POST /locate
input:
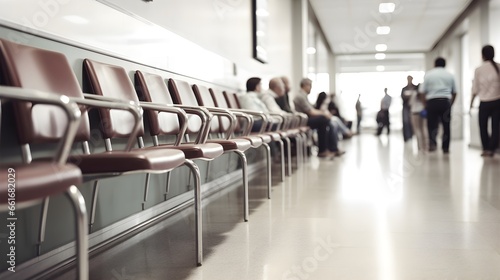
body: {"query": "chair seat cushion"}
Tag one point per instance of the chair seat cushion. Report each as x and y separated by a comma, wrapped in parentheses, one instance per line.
(37, 180)
(207, 151)
(255, 141)
(147, 160)
(232, 144)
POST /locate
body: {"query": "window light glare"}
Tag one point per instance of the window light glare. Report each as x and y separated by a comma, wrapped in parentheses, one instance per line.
(311, 50)
(381, 47)
(383, 30)
(385, 8)
(380, 56)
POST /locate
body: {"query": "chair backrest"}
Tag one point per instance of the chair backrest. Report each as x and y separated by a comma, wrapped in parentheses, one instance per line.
(152, 88)
(44, 70)
(221, 102)
(232, 100)
(204, 98)
(182, 93)
(111, 81)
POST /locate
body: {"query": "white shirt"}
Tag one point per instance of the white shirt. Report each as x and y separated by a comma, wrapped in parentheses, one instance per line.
(251, 101)
(386, 102)
(486, 82)
(416, 105)
(268, 99)
(438, 83)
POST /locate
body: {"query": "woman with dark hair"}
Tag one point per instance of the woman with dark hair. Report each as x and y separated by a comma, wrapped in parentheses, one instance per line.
(486, 85)
(253, 84)
(335, 120)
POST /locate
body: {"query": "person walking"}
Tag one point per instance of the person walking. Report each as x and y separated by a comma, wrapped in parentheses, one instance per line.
(438, 93)
(406, 93)
(359, 114)
(319, 120)
(383, 115)
(419, 121)
(486, 86)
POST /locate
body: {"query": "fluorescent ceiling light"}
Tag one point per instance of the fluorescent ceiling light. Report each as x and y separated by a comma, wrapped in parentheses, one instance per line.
(76, 19)
(385, 8)
(383, 30)
(381, 47)
(260, 33)
(380, 68)
(380, 56)
(311, 50)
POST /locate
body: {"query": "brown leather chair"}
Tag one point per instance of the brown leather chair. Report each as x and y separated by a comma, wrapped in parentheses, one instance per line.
(205, 99)
(29, 67)
(24, 184)
(152, 88)
(267, 136)
(182, 93)
(233, 102)
(112, 81)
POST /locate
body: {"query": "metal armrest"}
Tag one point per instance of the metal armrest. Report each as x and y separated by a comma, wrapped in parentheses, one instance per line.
(263, 116)
(97, 101)
(224, 113)
(249, 121)
(169, 109)
(70, 108)
(205, 117)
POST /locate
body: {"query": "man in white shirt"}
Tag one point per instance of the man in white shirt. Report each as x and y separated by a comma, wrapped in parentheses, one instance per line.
(438, 94)
(319, 120)
(268, 97)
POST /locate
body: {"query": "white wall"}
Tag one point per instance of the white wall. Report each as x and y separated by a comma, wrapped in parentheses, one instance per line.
(225, 28)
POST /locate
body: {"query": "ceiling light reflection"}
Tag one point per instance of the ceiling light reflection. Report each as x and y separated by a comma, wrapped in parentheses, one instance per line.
(385, 8)
(383, 30)
(381, 47)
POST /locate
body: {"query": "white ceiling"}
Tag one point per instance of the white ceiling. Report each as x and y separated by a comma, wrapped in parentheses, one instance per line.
(416, 26)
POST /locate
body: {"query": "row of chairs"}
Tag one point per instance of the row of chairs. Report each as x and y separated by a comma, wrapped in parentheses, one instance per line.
(34, 80)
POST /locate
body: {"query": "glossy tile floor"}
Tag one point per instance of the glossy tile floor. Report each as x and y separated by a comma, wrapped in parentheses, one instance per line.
(382, 211)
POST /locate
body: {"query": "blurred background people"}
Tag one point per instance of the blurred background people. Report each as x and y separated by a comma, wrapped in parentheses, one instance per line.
(486, 86)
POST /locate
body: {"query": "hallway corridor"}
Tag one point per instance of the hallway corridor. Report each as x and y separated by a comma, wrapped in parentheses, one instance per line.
(379, 212)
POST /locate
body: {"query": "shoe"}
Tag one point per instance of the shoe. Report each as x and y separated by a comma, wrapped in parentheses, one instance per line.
(432, 149)
(325, 154)
(446, 152)
(487, 154)
(339, 153)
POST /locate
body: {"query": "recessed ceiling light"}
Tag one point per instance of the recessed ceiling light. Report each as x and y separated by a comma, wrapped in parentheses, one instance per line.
(380, 56)
(383, 30)
(381, 47)
(380, 68)
(311, 50)
(385, 8)
(76, 19)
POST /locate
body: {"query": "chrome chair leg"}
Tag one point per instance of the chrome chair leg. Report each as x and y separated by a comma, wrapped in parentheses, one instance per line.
(93, 208)
(82, 245)
(198, 210)
(146, 190)
(289, 154)
(269, 178)
(243, 159)
(43, 225)
(282, 155)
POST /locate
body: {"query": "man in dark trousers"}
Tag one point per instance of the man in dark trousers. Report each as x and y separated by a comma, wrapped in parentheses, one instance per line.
(438, 93)
(406, 94)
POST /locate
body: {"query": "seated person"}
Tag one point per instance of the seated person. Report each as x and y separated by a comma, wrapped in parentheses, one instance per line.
(319, 120)
(323, 104)
(283, 100)
(251, 101)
